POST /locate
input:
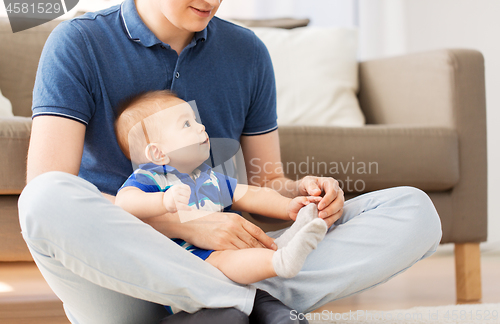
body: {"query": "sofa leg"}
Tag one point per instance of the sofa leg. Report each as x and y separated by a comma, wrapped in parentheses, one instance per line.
(468, 272)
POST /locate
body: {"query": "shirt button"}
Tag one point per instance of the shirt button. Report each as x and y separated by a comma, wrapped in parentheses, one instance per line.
(202, 203)
(177, 75)
(162, 46)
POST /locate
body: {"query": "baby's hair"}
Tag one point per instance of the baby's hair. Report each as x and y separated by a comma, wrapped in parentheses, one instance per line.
(135, 110)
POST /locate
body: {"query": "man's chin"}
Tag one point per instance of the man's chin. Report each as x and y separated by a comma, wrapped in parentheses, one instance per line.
(198, 26)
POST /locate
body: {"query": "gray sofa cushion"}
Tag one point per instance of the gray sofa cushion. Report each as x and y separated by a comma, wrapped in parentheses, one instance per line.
(18, 63)
(426, 158)
(383, 156)
(14, 141)
(12, 245)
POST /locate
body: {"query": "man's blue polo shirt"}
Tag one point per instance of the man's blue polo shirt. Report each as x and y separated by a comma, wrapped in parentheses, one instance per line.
(93, 62)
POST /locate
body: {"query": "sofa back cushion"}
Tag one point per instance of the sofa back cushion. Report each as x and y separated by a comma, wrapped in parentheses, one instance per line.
(19, 56)
(316, 75)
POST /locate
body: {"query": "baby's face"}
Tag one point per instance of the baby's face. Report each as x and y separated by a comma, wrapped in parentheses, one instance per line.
(183, 139)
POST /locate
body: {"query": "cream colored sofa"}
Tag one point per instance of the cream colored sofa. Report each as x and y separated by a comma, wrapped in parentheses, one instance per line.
(426, 127)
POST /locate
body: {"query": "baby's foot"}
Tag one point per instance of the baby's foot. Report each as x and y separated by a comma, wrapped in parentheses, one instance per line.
(289, 260)
(306, 215)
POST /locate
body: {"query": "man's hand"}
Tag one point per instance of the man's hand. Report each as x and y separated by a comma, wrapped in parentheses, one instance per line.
(331, 205)
(298, 202)
(177, 198)
(226, 231)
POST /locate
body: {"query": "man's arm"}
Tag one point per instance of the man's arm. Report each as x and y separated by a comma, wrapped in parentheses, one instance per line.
(263, 164)
(264, 168)
(56, 144)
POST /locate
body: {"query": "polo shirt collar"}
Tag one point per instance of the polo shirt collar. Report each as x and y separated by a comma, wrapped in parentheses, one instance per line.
(137, 31)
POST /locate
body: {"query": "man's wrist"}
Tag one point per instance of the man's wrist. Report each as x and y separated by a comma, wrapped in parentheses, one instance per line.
(167, 224)
(287, 202)
(296, 186)
(292, 187)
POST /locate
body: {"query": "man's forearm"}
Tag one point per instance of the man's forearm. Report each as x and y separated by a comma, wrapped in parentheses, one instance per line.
(168, 224)
(174, 226)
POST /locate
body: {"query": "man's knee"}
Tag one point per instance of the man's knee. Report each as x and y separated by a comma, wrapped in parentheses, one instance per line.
(41, 201)
(426, 219)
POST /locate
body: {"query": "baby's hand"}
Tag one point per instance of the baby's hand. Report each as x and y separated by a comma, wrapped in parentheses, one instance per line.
(177, 198)
(298, 202)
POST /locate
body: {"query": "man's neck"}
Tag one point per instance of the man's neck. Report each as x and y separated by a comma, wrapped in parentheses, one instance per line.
(151, 15)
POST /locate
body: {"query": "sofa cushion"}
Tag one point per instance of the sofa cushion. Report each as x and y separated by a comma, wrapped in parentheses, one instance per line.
(19, 61)
(14, 141)
(316, 75)
(12, 245)
(373, 157)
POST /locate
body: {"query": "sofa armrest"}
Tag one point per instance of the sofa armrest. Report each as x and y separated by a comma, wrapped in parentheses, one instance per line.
(14, 142)
(443, 88)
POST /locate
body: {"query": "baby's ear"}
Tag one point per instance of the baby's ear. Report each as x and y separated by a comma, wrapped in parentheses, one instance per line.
(155, 154)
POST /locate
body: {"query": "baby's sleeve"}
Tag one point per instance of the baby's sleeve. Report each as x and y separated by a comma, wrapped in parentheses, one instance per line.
(144, 180)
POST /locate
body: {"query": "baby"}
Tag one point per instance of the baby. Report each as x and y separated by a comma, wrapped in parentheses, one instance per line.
(160, 133)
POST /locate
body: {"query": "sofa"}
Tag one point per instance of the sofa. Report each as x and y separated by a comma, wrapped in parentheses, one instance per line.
(425, 127)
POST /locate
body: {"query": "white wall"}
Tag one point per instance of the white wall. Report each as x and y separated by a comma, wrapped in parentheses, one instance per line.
(321, 12)
(382, 28)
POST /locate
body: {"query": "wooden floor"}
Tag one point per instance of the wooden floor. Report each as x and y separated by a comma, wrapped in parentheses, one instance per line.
(26, 298)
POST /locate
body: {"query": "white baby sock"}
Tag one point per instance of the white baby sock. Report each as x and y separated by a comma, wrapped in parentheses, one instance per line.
(288, 261)
(305, 215)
